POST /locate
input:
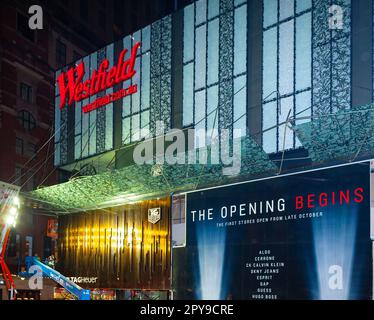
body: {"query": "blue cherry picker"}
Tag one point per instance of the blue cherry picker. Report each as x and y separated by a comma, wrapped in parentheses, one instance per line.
(70, 286)
(9, 205)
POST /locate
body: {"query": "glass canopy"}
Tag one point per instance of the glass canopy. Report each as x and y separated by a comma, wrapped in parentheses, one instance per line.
(136, 182)
(329, 139)
(345, 136)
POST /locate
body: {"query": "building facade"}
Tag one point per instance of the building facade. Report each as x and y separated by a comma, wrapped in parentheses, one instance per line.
(289, 81)
(257, 64)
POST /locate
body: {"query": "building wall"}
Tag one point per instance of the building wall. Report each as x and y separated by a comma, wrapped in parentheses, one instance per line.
(23, 61)
(235, 65)
(70, 30)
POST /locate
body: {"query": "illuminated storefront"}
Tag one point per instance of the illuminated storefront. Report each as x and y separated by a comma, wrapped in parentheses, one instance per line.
(289, 81)
(117, 247)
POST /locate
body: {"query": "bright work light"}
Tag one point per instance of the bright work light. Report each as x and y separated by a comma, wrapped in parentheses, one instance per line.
(16, 201)
(11, 220)
(13, 211)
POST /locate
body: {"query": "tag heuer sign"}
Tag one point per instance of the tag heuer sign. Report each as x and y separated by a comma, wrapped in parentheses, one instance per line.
(154, 215)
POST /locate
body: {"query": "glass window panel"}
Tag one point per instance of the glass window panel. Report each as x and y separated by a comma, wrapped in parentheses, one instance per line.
(200, 57)
(127, 45)
(92, 98)
(302, 5)
(269, 114)
(240, 104)
(85, 130)
(269, 121)
(136, 38)
(86, 62)
(285, 104)
(200, 11)
(126, 106)
(93, 62)
(146, 39)
(286, 57)
(303, 106)
(188, 33)
(303, 51)
(92, 122)
(57, 119)
(78, 117)
(64, 115)
(270, 63)
(303, 109)
(57, 90)
(270, 141)
(213, 8)
(238, 2)
(200, 120)
(110, 54)
(240, 40)
(126, 130)
(135, 127)
(145, 81)
(144, 122)
(212, 105)
(77, 146)
(92, 133)
(109, 125)
(126, 84)
(240, 127)
(270, 12)
(136, 96)
(57, 159)
(213, 51)
(199, 106)
(188, 94)
(286, 9)
(126, 101)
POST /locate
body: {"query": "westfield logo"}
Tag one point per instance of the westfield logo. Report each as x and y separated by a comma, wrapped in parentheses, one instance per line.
(73, 89)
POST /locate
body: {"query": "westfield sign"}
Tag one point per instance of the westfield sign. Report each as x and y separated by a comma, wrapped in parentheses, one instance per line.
(72, 88)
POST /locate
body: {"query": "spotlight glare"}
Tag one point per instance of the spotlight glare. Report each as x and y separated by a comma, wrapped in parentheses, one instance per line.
(11, 220)
(334, 246)
(211, 253)
(13, 211)
(16, 201)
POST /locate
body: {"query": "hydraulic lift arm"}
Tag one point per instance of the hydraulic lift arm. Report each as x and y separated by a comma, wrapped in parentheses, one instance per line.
(9, 204)
(9, 283)
(80, 293)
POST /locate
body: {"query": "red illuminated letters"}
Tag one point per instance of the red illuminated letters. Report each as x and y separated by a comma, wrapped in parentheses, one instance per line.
(70, 82)
(324, 199)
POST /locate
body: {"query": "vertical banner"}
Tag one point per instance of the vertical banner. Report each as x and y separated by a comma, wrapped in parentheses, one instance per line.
(301, 236)
(52, 228)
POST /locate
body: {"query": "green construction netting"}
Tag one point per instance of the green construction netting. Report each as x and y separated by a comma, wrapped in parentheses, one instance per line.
(345, 136)
(136, 182)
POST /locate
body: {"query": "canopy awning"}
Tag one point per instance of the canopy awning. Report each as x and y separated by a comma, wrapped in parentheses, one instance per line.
(137, 182)
(346, 136)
